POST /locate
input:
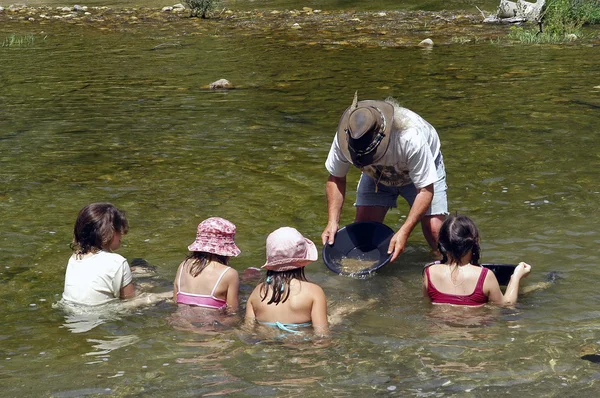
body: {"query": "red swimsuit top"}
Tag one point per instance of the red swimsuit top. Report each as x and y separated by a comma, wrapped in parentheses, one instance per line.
(478, 297)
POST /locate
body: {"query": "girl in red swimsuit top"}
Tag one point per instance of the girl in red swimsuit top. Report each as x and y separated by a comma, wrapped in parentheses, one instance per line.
(459, 279)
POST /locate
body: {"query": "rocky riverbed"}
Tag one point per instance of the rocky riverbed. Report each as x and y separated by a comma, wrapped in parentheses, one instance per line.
(297, 27)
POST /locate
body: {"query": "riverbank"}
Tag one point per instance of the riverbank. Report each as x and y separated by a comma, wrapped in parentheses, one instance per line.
(306, 26)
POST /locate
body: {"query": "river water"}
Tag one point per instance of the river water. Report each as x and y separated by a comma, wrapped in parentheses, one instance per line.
(92, 115)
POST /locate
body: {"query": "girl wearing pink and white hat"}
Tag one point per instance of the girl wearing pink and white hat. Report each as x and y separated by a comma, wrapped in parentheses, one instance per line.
(204, 279)
(285, 299)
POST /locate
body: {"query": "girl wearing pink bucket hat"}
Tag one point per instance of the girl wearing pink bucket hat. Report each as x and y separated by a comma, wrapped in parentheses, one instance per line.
(204, 279)
(285, 299)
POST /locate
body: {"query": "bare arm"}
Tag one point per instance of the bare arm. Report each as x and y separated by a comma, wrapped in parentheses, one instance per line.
(250, 316)
(146, 299)
(512, 290)
(233, 290)
(128, 291)
(176, 282)
(425, 284)
(319, 313)
(335, 188)
(417, 211)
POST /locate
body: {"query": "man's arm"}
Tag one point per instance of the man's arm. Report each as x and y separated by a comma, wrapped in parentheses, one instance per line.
(335, 188)
(417, 211)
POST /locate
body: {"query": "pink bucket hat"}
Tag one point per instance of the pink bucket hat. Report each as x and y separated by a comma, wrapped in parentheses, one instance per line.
(215, 235)
(287, 249)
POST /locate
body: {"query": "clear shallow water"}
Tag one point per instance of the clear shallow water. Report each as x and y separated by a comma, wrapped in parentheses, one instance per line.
(91, 116)
(358, 5)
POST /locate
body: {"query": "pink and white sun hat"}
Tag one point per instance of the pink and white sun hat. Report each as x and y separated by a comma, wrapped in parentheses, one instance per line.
(287, 249)
(215, 235)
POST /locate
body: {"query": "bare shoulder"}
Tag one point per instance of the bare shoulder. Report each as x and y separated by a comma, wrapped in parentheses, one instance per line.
(256, 291)
(313, 288)
(180, 268)
(490, 279)
(232, 274)
(434, 269)
(490, 275)
(254, 298)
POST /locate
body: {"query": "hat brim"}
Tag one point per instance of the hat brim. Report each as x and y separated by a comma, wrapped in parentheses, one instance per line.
(230, 250)
(288, 264)
(386, 109)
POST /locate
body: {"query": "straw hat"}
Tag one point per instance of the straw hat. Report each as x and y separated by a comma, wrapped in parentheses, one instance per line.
(287, 249)
(215, 235)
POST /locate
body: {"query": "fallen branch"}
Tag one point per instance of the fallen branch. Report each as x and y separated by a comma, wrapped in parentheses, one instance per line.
(482, 14)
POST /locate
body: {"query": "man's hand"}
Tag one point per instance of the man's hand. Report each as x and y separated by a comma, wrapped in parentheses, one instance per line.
(328, 235)
(397, 244)
(416, 213)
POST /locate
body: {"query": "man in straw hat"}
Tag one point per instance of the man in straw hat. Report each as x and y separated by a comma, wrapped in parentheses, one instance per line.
(398, 153)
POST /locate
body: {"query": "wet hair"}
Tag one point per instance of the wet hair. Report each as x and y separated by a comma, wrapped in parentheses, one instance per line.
(280, 284)
(199, 260)
(459, 236)
(96, 226)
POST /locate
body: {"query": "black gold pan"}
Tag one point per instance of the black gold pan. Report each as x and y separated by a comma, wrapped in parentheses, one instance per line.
(365, 242)
(503, 272)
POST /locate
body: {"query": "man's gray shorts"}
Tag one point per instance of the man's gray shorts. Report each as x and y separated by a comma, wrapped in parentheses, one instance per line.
(388, 196)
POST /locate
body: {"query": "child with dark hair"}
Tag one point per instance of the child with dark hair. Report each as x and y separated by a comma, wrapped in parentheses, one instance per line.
(459, 279)
(204, 279)
(285, 299)
(95, 275)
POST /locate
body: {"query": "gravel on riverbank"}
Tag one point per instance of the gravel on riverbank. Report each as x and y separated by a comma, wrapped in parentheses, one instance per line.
(305, 26)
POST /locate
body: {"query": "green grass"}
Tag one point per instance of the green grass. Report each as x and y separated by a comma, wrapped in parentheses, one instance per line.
(533, 36)
(562, 21)
(15, 40)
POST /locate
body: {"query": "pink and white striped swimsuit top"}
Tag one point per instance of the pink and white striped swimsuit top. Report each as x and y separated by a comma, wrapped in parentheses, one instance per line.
(202, 300)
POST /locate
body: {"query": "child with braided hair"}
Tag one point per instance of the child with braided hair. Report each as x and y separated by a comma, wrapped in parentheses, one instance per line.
(459, 279)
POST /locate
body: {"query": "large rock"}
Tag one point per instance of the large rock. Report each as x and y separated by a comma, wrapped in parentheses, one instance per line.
(520, 9)
(516, 12)
(507, 9)
(530, 11)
